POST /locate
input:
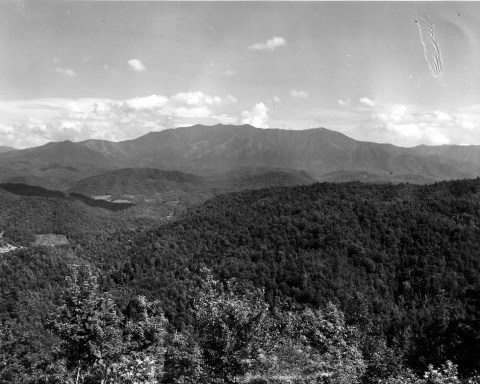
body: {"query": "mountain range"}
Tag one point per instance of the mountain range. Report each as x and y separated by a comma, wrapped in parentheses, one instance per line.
(6, 149)
(222, 150)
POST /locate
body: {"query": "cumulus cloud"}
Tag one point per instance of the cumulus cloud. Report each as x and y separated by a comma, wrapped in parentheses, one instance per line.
(269, 45)
(136, 65)
(436, 137)
(411, 131)
(366, 101)
(34, 122)
(65, 72)
(257, 116)
(298, 94)
(403, 124)
(467, 124)
(443, 116)
(146, 103)
(406, 125)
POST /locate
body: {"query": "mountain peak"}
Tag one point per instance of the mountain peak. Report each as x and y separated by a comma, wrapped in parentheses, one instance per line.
(209, 150)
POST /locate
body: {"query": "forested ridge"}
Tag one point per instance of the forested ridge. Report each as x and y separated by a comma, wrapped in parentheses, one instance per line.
(400, 261)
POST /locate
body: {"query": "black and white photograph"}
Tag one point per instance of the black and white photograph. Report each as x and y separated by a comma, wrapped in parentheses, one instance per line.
(239, 192)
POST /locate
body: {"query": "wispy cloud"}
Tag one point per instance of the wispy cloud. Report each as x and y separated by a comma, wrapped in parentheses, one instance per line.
(230, 73)
(65, 72)
(269, 45)
(232, 99)
(298, 94)
(343, 103)
(137, 65)
(226, 119)
(196, 98)
(109, 69)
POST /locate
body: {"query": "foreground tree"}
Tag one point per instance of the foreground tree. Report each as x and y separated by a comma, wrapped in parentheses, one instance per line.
(98, 344)
(315, 346)
(238, 338)
(234, 328)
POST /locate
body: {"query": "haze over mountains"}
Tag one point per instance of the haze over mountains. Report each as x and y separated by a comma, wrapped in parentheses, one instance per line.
(225, 150)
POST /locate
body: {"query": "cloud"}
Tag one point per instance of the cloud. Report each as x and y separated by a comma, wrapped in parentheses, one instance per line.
(436, 137)
(232, 99)
(152, 102)
(269, 45)
(136, 65)
(366, 101)
(226, 119)
(276, 99)
(397, 113)
(65, 72)
(188, 105)
(343, 103)
(410, 131)
(6, 129)
(338, 119)
(230, 73)
(35, 122)
(467, 124)
(257, 116)
(298, 94)
(108, 69)
(27, 123)
(402, 124)
(405, 125)
(443, 116)
(34, 133)
(196, 98)
(184, 112)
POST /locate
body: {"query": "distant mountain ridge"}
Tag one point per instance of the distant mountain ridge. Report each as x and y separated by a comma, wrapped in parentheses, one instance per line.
(4, 149)
(208, 151)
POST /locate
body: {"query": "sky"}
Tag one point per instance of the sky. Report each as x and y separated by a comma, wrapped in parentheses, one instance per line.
(405, 73)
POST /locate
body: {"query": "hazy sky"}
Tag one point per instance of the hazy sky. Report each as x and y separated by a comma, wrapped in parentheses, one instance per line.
(407, 73)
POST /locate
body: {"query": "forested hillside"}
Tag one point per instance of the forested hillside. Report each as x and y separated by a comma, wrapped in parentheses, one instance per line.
(24, 216)
(135, 181)
(401, 262)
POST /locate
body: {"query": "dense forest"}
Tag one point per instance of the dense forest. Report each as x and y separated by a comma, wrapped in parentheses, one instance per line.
(341, 283)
